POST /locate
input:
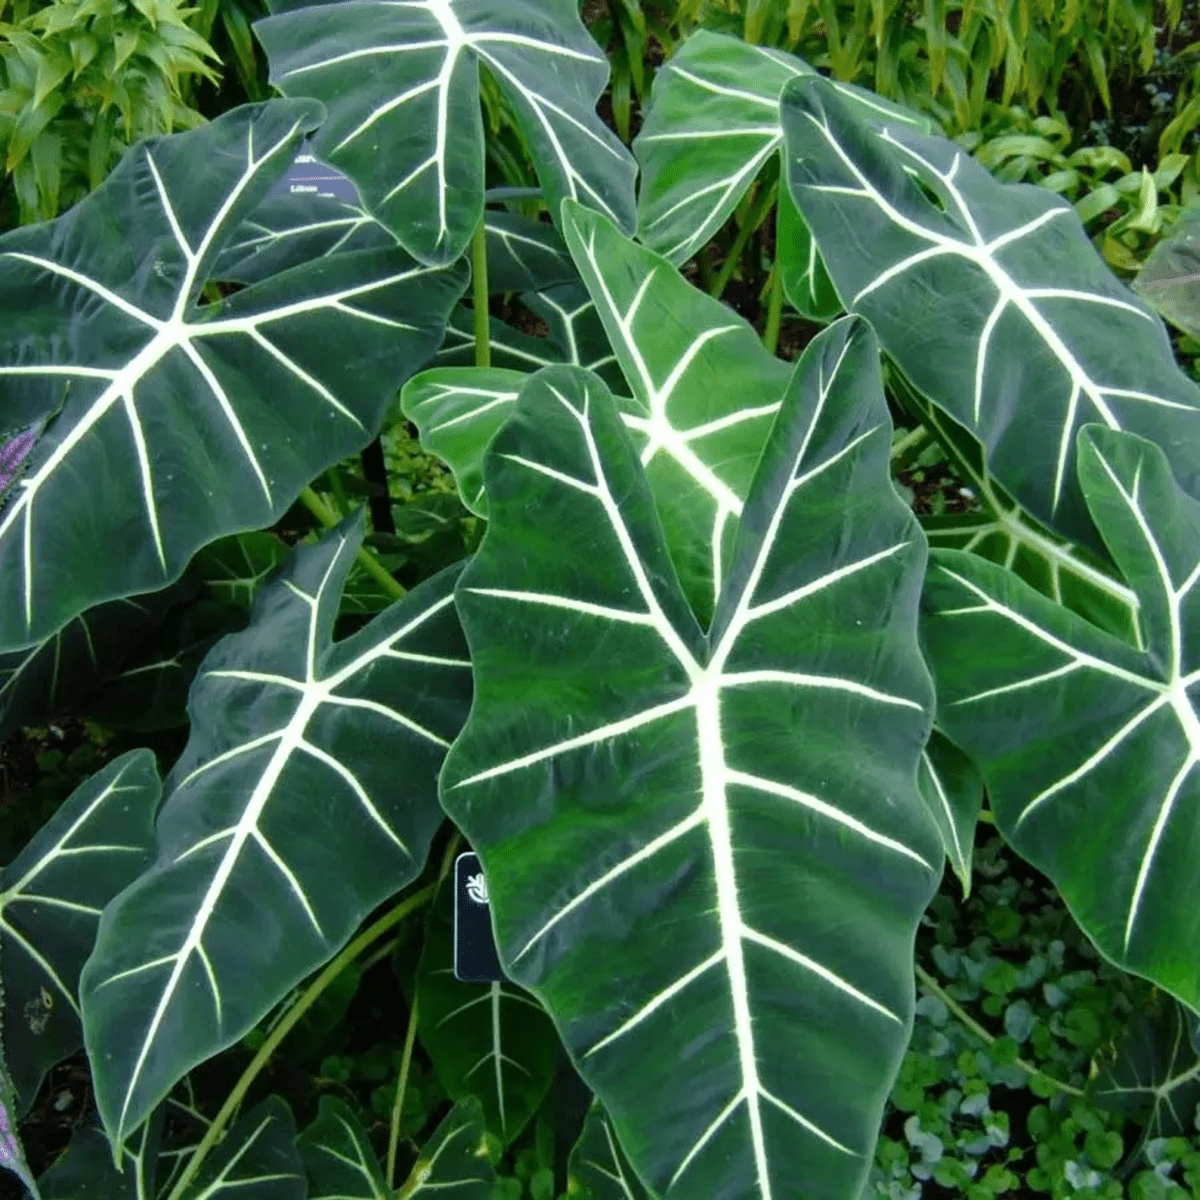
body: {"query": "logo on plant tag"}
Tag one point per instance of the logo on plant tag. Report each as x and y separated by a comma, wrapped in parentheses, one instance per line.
(475, 956)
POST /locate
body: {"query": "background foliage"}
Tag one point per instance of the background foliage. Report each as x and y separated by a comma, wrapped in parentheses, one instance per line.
(1034, 1067)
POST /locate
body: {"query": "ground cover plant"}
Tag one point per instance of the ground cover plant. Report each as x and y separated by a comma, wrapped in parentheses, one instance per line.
(354, 528)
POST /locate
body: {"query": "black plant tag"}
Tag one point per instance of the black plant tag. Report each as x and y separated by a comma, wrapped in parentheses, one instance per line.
(475, 957)
(309, 177)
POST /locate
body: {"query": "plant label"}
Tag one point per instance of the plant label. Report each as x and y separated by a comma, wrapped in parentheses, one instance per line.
(475, 957)
(308, 176)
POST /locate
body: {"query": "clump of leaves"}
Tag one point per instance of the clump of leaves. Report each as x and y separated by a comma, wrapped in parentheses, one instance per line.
(1021, 1077)
(948, 58)
(1126, 208)
(82, 80)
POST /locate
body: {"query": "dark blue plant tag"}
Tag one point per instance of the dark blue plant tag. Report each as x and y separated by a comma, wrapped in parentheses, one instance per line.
(475, 957)
(308, 177)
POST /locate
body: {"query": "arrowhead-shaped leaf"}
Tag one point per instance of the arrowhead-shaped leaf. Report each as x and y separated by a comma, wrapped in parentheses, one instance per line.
(342, 1165)
(598, 1169)
(712, 124)
(86, 1171)
(338, 1158)
(492, 1040)
(162, 442)
(455, 1159)
(257, 1160)
(401, 85)
(953, 794)
(286, 230)
(306, 795)
(51, 897)
(458, 410)
(574, 335)
(1005, 533)
(1170, 277)
(804, 276)
(707, 393)
(1087, 745)
(61, 671)
(678, 828)
(703, 393)
(1153, 1073)
(985, 296)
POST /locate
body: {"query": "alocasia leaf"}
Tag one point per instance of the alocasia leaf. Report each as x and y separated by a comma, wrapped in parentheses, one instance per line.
(338, 1158)
(1087, 745)
(1170, 277)
(306, 795)
(86, 1171)
(524, 255)
(51, 897)
(490, 1040)
(706, 853)
(341, 1164)
(806, 282)
(150, 690)
(953, 794)
(178, 421)
(455, 1160)
(706, 393)
(1153, 1072)
(286, 230)
(1004, 533)
(703, 394)
(401, 85)
(712, 124)
(458, 410)
(62, 671)
(989, 298)
(574, 335)
(598, 1169)
(257, 1160)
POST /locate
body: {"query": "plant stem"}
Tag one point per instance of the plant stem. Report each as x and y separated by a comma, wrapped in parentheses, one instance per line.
(339, 492)
(914, 437)
(336, 966)
(934, 988)
(774, 310)
(411, 1033)
(410, 1036)
(754, 218)
(479, 279)
(378, 955)
(366, 559)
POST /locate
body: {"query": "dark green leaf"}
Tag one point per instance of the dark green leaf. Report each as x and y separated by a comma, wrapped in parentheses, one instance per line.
(53, 893)
(305, 797)
(182, 422)
(680, 829)
(401, 85)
